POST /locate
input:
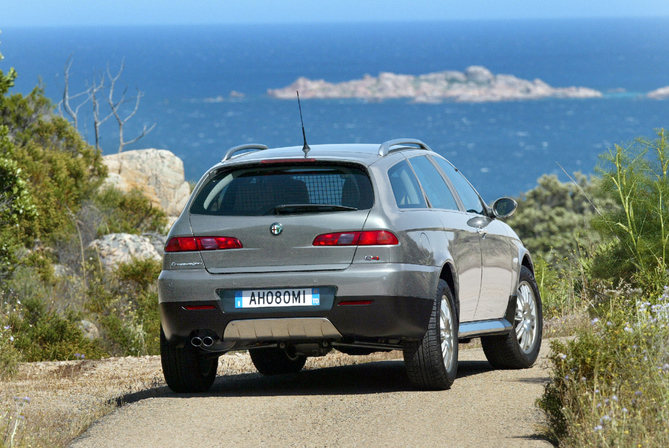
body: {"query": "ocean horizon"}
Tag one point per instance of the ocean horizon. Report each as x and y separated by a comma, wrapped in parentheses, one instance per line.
(187, 75)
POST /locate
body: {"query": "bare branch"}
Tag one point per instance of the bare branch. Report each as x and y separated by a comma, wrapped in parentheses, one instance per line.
(73, 113)
(94, 93)
(115, 107)
(97, 121)
(144, 132)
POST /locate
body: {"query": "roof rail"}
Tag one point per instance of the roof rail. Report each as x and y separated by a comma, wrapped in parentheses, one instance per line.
(250, 146)
(385, 147)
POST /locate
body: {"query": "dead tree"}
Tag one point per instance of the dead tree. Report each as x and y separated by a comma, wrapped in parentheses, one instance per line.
(116, 106)
(93, 94)
(74, 113)
(97, 120)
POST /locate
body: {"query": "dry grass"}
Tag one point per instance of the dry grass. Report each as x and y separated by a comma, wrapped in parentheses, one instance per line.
(565, 326)
(51, 403)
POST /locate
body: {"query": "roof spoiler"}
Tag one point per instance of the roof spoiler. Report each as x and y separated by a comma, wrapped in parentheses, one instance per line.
(387, 147)
(248, 147)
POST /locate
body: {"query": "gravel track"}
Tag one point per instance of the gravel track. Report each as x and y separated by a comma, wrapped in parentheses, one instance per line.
(363, 405)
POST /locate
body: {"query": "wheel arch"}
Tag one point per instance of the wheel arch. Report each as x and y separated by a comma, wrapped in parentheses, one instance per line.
(448, 275)
(527, 262)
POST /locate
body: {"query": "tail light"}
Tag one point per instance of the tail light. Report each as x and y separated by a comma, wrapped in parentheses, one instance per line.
(185, 244)
(366, 238)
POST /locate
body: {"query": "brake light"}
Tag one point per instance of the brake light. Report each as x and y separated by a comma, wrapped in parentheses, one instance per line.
(273, 161)
(185, 244)
(366, 238)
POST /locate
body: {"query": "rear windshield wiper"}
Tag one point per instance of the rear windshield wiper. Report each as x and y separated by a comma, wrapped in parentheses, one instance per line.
(287, 209)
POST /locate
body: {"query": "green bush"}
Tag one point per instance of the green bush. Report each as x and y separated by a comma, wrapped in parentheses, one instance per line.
(636, 231)
(17, 210)
(127, 305)
(139, 282)
(46, 171)
(44, 335)
(51, 208)
(553, 219)
(128, 213)
(40, 332)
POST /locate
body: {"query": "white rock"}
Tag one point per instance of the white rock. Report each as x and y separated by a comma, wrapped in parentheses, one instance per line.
(479, 75)
(118, 248)
(158, 173)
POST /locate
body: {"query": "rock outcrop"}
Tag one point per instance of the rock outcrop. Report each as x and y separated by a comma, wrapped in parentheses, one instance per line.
(659, 94)
(476, 84)
(116, 248)
(158, 173)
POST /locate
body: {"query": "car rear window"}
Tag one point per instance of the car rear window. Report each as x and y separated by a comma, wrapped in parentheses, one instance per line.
(267, 190)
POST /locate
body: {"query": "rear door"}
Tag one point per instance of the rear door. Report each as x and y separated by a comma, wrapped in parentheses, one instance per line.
(277, 210)
(497, 251)
(464, 244)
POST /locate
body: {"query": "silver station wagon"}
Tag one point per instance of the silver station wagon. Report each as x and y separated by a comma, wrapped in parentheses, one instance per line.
(292, 252)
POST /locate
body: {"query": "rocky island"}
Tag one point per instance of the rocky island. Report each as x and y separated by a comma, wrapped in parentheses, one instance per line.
(658, 94)
(475, 84)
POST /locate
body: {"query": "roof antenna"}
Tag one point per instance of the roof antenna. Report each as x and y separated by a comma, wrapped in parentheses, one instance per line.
(306, 147)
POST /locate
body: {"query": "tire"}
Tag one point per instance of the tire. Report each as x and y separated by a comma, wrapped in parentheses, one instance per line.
(519, 349)
(185, 369)
(432, 363)
(275, 361)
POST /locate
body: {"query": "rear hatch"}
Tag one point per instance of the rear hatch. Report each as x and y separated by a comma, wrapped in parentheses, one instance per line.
(277, 210)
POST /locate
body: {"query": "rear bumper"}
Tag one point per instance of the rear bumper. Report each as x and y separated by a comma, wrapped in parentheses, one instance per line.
(390, 301)
(383, 318)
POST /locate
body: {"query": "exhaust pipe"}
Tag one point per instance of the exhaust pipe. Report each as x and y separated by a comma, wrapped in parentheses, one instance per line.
(197, 341)
(207, 341)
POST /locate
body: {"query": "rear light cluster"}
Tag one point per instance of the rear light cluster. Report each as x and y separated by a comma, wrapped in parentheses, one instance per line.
(366, 238)
(185, 244)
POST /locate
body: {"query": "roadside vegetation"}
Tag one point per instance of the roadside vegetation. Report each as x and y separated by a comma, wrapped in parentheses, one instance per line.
(599, 245)
(57, 302)
(610, 382)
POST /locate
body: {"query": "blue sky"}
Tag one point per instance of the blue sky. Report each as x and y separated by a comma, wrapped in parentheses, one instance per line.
(177, 12)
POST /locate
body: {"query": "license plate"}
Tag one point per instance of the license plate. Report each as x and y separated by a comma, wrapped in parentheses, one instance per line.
(265, 298)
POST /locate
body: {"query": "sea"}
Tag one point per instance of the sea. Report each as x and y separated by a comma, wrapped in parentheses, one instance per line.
(186, 75)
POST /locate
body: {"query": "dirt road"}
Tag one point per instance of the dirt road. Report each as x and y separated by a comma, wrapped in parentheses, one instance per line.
(365, 405)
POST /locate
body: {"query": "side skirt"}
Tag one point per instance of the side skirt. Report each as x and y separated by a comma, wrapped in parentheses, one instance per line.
(468, 330)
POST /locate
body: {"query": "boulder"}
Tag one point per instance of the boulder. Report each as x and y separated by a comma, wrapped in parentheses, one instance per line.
(158, 173)
(479, 75)
(118, 248)
(89, 329)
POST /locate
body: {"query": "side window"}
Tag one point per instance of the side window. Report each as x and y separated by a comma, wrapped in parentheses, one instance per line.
(468, 195)
(405, 186)
(435, 187)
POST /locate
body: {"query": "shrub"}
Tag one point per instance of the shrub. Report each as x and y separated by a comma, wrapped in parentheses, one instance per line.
(41, 331)
(127, 303)
(17, 210)
(637, 230)
(553, 219)
(47, 168)
(610, 385)
(45, 335)
(127, 212)
(9, 355)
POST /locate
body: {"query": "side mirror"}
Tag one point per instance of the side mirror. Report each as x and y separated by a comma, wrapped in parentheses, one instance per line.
(504, 207)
